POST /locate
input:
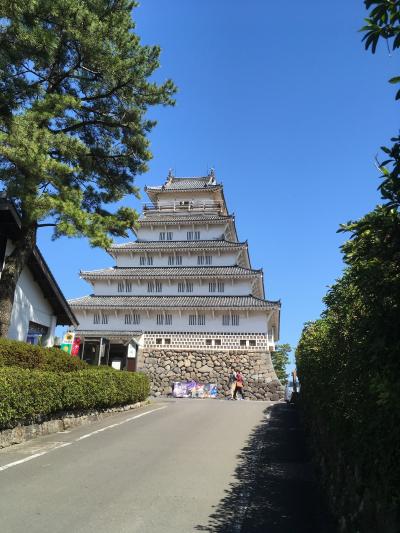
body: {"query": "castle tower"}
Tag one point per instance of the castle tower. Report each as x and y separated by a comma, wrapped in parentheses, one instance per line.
(182, 301)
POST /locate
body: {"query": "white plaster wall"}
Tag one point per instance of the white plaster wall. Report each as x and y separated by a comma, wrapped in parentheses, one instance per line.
(180, 234)
(30, 305)
(175, 196)
(232, 288)
(161, 259)
(253, 322)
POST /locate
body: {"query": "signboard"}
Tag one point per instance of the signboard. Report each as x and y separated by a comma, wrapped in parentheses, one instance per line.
(192, 389)
(66, 345)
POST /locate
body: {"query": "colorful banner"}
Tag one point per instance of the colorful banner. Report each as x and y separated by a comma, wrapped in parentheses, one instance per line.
(192, 389)
(67, 343)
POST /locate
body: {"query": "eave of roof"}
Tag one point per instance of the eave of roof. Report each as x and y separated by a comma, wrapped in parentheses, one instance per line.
(173, 302)
(10, 224)
(171, 272)
(140, 246)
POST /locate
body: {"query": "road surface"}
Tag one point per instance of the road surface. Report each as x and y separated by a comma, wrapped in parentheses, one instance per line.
(175, 466)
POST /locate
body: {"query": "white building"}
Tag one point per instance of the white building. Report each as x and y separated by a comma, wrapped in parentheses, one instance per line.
(186, 283)
(39, 305)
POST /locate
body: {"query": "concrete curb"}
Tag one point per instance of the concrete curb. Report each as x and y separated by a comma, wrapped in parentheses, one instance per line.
(66, 421)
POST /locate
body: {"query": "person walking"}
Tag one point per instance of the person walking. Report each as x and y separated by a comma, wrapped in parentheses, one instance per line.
(232, 383)
(239, 385)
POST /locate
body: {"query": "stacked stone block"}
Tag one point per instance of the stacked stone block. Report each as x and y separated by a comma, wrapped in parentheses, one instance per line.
(165, 366)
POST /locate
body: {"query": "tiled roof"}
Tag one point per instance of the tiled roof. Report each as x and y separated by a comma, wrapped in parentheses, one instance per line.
(174, 302)
(185, 184)
(155, 217)
(169, 272)
(143, 246)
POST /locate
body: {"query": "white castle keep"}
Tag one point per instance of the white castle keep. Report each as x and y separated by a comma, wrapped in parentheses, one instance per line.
(186, 283)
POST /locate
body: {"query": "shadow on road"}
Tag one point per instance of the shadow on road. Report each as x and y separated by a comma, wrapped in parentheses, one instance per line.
(274, 489)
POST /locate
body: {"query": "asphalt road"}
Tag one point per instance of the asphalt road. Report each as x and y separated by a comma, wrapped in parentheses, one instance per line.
(174, 466)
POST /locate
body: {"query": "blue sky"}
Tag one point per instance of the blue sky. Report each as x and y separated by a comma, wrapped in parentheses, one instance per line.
(282, 99)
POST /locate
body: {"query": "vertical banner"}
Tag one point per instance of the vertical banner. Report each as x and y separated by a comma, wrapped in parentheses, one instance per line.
(75, 346)
(66, 345)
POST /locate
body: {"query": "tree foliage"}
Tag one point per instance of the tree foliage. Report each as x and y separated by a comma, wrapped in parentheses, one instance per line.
(75, 87)
(280, 359)
(349, 359)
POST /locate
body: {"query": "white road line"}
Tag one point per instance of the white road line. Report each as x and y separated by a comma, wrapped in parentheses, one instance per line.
(39, 454)
(35, 456)
(118, 424)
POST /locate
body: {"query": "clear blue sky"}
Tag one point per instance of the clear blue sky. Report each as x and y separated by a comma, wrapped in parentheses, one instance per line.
(282, 99)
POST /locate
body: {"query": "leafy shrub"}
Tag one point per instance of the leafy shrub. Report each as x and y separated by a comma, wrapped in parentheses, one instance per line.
(24, 355)
(26, 395)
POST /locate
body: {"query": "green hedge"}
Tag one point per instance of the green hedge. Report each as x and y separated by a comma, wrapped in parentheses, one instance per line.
(24, 355)
(27, 395)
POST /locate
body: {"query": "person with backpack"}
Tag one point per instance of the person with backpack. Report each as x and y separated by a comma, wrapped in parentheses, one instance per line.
(232, 383)
(239, 385)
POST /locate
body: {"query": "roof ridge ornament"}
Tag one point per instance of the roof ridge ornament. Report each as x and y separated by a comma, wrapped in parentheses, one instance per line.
(211, 176)
(170, 176)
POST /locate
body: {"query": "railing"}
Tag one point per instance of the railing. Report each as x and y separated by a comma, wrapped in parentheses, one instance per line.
(183, 206)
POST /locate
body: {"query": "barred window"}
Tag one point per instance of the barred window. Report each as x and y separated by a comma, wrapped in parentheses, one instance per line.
(167, 341)
(235, 320)
(200, 260)
(104, 318)
(189, 286)
(149, 261)
(201, 320)
(221, 286)
(150, 286)
(158, 341)
(208, 259)
(169, 235)
(252, 342)
(225, 320)
(96, 318)
(178, 259)
(120, 286)
(192, 320)
(142, 260)
(197, 235)
(171, 260)
(181, 287)
(208, 342)
(158, 286)
(243, 342)
(168, 320)
(162, 236)
(135, 318)
(128, 319)
(128, 286)
(217, 342)
(160, 320)
(212, 286)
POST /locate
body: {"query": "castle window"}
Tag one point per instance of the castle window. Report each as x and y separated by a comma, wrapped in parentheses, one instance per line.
(128, 319)
(120, 286)
(201, 320)
(149, 261)
(104, 318)
(160, 320)
(178, 259)
(221, 286)
(135, 318)
(169, 235)
(200, 260)
(252, 343)
(161, 236)
(208, 342)
(189, 286)
(171, 260)
(235, 320)
(142, 260)
(181, 287)
(243, 342)
(208, 259)
(212, 286)
(225, 320)
(128, 286)
(158, 341)
(150, 286)
(167, 341)
(189, 235)
(168, 320)
(96, 318)
(217, 342)
(158, 286)
(192, 320)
